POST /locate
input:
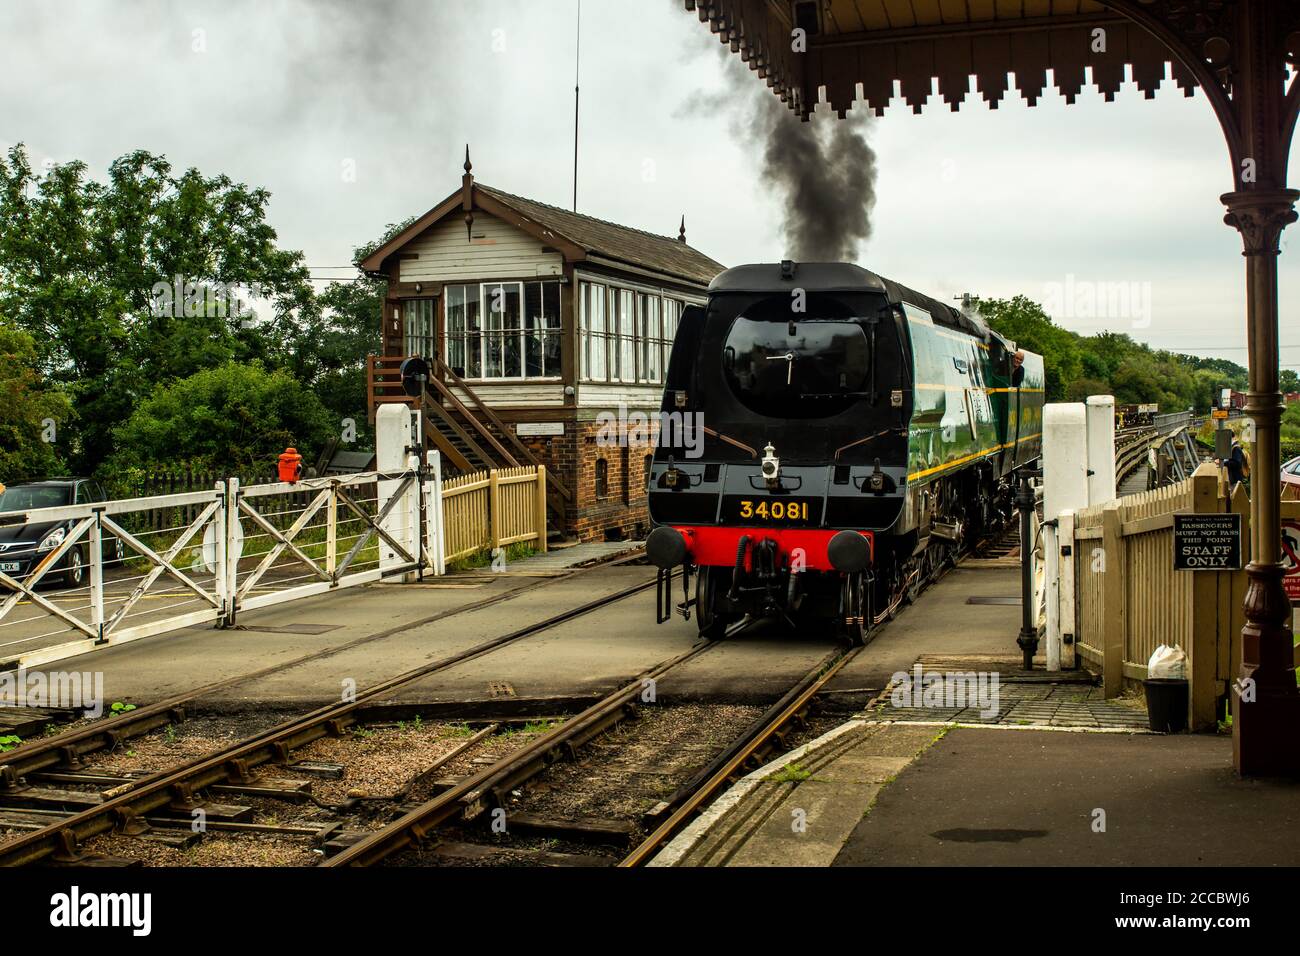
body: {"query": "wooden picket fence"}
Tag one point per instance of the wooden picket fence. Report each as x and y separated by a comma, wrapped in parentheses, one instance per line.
(486, 510)
(1129, 599)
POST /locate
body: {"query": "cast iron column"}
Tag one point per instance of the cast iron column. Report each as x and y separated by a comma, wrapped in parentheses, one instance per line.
(1265, 703)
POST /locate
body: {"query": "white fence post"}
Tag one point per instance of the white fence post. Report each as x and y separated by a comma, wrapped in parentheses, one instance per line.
(435, 541)
(96, 536)
(1066, 614)
(1101, 449)
(228, 550)
(392, 457)
(1067, 449)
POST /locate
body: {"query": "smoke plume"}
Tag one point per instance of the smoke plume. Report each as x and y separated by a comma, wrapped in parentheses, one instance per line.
(825, 175)
(822, 172)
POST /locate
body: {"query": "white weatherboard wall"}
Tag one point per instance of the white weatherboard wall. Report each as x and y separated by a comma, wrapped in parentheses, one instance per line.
(494, 250)
(1101, 449)
(1065, 490)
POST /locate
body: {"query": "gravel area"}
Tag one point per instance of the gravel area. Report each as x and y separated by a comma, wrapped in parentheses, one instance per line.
(379, 762)
(641, 762)
(177, 743)
(216, 849)
(619, 776)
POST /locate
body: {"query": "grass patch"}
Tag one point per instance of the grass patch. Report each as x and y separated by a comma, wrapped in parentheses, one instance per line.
(483, 559)
(532, 727)
(791, 773)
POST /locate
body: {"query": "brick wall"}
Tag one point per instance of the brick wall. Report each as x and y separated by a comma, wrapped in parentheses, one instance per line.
(621, 512)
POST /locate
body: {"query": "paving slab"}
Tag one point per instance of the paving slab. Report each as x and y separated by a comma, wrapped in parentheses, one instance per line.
(940, 621)
(798, 810)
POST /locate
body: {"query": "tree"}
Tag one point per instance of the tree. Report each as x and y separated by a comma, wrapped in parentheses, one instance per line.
(330, 346)
(1024, 322)
(31, 413)
(90, 270)
(236, 416)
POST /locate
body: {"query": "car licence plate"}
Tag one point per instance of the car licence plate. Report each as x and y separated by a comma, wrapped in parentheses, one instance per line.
(10, 566)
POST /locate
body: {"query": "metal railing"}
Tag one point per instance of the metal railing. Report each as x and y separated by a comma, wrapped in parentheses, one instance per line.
(137, 567)
(144, 566)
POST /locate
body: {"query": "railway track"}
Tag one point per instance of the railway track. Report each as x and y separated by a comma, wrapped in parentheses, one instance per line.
(177, 788)
(71, 747)
(489, 783)
(489, 789)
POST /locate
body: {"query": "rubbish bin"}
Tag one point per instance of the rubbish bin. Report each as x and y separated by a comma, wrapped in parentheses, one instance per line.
(1166, 704)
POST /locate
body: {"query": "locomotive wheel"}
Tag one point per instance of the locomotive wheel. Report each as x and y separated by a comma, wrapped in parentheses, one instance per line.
(918, 569)
(855, 607)
(712, 625)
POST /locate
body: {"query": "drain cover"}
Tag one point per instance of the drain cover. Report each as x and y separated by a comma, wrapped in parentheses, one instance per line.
(985, 599)
(291, 628)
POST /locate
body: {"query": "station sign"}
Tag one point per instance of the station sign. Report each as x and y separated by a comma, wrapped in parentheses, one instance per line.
(1291, 559)
(539, 429)
(1209, 542)
(1220, 413)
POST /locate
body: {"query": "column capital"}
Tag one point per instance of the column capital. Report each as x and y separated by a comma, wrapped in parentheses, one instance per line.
(1260, 215)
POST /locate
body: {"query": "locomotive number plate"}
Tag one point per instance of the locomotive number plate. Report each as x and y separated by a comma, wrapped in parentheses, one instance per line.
(790, 512)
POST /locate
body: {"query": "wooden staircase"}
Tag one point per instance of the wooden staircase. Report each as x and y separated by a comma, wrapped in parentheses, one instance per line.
(468, 434)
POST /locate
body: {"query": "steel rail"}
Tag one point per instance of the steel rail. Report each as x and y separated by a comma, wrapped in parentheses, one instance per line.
(469, 797)
(178, 785)
(793, 704)
(70, 746)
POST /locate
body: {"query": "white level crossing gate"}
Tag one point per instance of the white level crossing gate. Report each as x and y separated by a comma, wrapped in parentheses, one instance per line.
(129, 569)
(118, 571)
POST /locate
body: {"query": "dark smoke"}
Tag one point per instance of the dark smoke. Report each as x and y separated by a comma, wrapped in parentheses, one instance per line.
(823, 172)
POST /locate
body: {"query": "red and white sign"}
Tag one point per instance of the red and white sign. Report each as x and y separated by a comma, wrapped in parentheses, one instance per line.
(1291, 559)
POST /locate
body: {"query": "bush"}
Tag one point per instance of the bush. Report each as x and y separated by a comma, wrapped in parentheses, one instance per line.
(231, 418)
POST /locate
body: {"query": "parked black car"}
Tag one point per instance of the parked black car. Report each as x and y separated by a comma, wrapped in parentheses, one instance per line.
(23, 545)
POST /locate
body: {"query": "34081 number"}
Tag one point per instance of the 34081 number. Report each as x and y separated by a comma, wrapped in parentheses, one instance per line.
(774, 510)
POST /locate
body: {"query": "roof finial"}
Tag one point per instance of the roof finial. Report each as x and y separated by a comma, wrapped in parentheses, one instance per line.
(681, 235)
(467, 196)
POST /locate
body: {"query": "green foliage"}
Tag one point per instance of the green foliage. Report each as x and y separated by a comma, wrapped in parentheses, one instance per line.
(482, 559)
(234, 416)
(81, 263)
(26, 404)
(1025, 323)
(1291, 431)
(790, 773)
(1110, 363)
(118, 707)
(9, 742)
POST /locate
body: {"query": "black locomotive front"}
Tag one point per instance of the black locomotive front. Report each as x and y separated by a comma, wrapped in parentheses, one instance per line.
(783, 445)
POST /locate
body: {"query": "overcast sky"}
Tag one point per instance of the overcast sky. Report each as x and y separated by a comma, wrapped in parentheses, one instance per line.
(355, 115)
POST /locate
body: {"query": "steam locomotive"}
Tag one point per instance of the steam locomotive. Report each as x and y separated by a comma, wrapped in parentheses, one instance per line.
(828, 441)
